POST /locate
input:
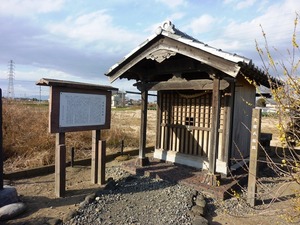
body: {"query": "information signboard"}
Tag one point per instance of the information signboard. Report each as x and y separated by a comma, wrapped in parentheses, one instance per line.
(81, 109)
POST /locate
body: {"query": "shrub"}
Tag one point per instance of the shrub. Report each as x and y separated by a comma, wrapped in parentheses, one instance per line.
(287, 98)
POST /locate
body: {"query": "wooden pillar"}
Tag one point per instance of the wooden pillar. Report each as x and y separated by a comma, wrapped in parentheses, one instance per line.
(1, 143)
(158, 121)
(229, 125)
(215, 122)
(101, 162)
(95, 155)
(60, 165)
(254, 147)
(142, 160)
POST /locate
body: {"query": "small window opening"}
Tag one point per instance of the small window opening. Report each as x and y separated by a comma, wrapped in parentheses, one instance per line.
(189, 121)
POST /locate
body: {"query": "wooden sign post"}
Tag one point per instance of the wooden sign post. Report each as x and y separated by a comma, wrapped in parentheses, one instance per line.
(254, 147)
(78, 107)
(1, 143)
(60, 164)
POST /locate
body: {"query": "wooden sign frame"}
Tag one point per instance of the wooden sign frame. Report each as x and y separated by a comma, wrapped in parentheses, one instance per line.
(89, 108)
(56, 102)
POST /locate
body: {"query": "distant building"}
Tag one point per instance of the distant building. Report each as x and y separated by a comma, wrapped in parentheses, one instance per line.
(118, 99)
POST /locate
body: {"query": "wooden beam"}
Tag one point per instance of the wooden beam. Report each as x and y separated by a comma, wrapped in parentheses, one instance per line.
(173, 65)
(95, 155)
(229, 124)
(60, 165)
(72, 84)
(254, 152)
(215, 122)
(101, 162)
(181, 84)
(158, 120)
(142, 160)
(1, 143)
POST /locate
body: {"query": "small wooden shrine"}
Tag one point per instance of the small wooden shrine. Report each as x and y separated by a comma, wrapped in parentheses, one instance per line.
(205, 98)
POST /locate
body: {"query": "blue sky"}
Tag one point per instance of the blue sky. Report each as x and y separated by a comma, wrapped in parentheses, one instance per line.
(80, 40)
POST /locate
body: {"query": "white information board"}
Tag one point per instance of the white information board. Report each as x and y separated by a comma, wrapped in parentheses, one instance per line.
(77, 109)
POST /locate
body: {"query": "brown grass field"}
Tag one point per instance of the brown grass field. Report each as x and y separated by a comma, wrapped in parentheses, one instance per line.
(27, 142)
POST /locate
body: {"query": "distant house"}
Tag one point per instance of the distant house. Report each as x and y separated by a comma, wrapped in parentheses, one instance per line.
(205, 99)
(118, 99)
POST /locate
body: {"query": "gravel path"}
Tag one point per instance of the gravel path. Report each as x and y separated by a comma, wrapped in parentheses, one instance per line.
(129, 199)
(136, 200)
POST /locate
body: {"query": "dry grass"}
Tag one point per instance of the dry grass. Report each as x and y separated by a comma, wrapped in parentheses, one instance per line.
(27, 142)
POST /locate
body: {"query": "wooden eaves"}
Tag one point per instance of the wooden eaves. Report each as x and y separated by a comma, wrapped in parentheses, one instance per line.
(72, 84)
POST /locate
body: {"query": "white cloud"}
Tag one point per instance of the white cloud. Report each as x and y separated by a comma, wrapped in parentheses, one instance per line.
(172, 3)
(228, 1)
(29, 7)
(245, 4)
(176, 16)
(238, 4)
(202, 24)
(277, 22)
(96, 27)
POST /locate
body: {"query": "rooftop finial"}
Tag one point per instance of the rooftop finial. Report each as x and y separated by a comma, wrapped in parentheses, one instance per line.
(166, 26)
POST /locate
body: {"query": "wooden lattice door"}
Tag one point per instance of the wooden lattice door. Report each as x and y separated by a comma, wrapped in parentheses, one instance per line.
(184, 121)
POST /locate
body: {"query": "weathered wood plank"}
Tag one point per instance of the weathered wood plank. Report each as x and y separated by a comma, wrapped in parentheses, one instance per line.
(95, 154)
(197, 124)
(182, 137)
(158, 121)
(179, 134)
(229, 125)
(254, 152)
(60, 165)
(204, 84)
(143, 128)
(214, 140)
(177, 141)
(101, 162)
(184, 127)
(1, 143)
(201, 124)
(162, 120)
(72, 84)
(174, 121)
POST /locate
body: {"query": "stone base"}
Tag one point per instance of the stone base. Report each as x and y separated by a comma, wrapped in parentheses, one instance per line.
(212, 179)
(8, 195)
(142, 162)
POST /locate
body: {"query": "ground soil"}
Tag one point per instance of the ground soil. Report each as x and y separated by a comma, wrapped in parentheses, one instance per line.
(42, 205)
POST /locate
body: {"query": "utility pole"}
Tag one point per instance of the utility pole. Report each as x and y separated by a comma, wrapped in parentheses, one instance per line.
(40, 94)
(11, 75)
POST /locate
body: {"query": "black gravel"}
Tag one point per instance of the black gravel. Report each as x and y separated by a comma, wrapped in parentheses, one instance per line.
(136, 200)
(129, 199)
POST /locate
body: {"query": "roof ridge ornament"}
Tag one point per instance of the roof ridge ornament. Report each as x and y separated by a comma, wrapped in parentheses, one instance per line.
(167, 26)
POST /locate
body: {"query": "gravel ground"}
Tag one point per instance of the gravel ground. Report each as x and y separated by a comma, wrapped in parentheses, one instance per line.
(136, 200)
(129, 199)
